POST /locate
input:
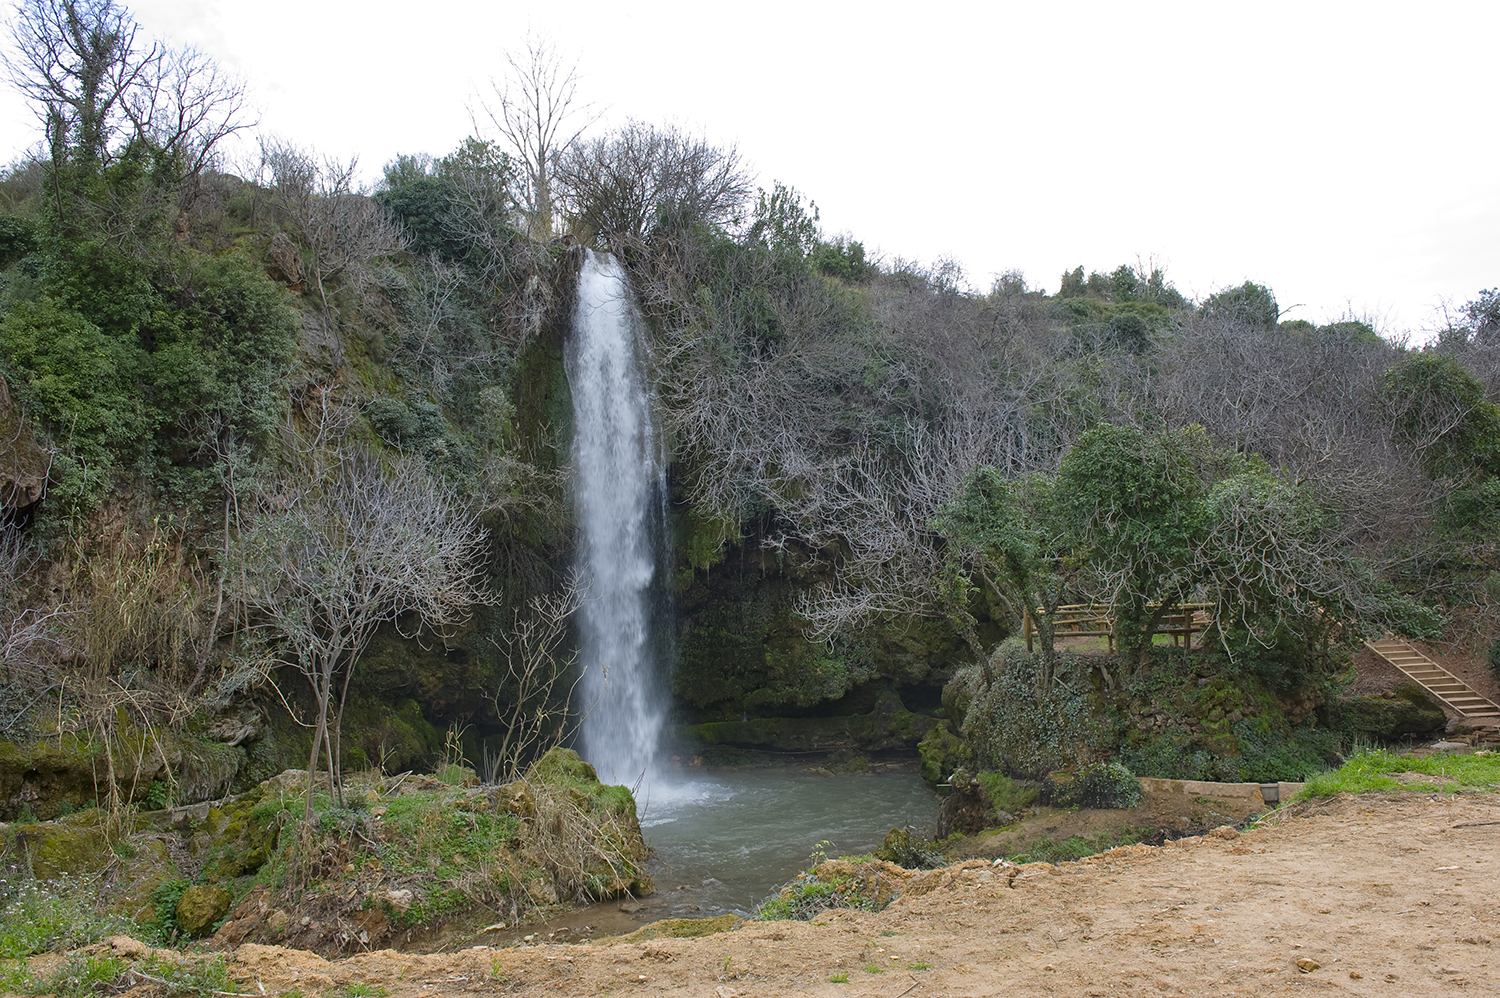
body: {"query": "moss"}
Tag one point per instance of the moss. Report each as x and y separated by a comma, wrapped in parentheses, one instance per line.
(684, 928)
(543, 403)
(236, 838)
(49, 777)
(1407, 710)
(562, 765)
(200, 908)
(941, 752)
(78, 843)
(58, 776)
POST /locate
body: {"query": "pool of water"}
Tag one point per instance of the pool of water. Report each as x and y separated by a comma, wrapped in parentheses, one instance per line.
(726, 841)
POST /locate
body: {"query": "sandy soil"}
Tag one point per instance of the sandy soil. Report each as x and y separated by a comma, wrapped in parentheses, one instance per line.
(1394, 895)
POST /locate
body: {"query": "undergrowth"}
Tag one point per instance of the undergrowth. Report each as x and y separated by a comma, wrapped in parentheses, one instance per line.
(1045, 850)
(37, 916)
(813, 893)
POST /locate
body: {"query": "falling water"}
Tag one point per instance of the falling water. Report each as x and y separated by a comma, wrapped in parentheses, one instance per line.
(616, 487)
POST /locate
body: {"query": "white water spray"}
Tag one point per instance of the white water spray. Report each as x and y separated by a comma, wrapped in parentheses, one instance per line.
(617, 475)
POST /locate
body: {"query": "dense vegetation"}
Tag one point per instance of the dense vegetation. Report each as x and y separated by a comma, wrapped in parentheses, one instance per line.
(878, 471)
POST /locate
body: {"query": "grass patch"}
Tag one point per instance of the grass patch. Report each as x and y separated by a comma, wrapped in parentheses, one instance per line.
(838, 978)
(360, 989)
(1006, 794)
(1372, 772)
(37, 916)
(196, 978)
(874, 968)
(1045, 850)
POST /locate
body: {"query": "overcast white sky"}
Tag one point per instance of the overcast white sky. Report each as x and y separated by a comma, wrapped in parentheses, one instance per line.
(1342, 153)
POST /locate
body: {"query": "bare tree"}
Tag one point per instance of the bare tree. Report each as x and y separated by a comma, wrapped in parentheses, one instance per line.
(331, 560)
(93, 80)
(531, 703)
(190, 108)
(340, 227)
(626, 184)
(535, 110)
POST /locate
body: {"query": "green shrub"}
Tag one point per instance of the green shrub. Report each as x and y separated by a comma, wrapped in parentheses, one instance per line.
(904, 848)
(1006, 794)
(808, 897)
(1106, 785)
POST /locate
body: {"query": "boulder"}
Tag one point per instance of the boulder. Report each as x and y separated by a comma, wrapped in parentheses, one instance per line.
(1406, 710)
(200, 908)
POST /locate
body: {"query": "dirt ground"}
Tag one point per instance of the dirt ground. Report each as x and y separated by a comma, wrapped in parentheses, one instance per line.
(1379, 895)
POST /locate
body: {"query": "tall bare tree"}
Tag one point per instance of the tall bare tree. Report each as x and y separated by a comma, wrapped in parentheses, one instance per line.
(626, 184)
(93, 82)
(536, 111)
(330, 561)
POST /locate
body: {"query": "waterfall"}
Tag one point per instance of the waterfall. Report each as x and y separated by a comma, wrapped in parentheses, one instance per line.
(617, 486)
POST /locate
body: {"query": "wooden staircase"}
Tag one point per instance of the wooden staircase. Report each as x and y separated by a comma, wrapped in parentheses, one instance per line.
(1437, 680)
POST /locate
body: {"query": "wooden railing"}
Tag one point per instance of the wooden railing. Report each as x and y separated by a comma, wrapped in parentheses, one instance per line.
(1094, 620)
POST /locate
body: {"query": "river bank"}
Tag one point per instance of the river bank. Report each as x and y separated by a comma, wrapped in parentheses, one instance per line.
(1357, 894)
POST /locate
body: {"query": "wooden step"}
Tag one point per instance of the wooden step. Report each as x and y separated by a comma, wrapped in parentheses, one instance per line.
(1435, 679)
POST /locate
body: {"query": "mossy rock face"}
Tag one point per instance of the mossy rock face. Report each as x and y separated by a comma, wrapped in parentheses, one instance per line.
(1407, 710)
(201, 907)
(76, 844)
(52, 778)
(941, 751)
(742, 647)
(889, 726)
(391, 731)
(236, 838)
(46, 778)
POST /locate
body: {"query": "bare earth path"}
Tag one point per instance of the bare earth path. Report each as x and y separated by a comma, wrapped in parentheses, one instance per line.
(1389, 896)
